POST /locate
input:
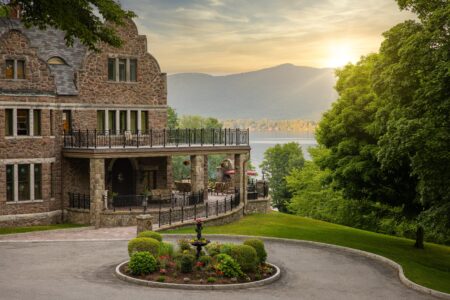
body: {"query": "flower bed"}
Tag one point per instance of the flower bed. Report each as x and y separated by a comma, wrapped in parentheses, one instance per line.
(153, 260)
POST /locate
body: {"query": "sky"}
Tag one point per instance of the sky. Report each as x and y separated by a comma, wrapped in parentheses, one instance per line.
(233, 36)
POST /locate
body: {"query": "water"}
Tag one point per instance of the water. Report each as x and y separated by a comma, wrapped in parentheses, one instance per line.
(260, 141)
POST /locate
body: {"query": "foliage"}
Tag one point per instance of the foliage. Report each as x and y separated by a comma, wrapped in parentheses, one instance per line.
(87, 20)
(165, 249)
(194, 121)
(183, 244)
(186, 263)
(437, 221)
(228, 266)
(226, 248)
(211, 279)
(142, 263)
(213, 248)
(143, 244)
(245, 256)
(429, 267)
(172, 118)
(258, 245)
(205, 260)
(278, 162)
(161, 278)
(150, 234)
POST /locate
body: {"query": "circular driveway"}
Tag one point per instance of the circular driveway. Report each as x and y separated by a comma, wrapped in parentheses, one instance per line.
(85, 270)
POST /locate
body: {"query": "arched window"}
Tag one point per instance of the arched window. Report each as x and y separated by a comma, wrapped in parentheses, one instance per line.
(55, 60)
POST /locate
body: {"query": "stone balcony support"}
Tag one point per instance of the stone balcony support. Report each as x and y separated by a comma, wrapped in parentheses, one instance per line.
(97, 189)
(240, 177)
(199, 173)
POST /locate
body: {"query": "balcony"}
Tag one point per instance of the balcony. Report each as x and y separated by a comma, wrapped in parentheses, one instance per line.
(156, 141)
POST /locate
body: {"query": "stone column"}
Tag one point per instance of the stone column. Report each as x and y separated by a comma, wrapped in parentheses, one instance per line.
(96, 188)
(239, 175)
(206, 177)
(197, 173)
(144, 223)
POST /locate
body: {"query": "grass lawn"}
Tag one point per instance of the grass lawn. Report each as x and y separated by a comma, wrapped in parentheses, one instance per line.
(429, 267)
(37, 228)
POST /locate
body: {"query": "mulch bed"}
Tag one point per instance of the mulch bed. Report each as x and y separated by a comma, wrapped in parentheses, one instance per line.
(200, 276)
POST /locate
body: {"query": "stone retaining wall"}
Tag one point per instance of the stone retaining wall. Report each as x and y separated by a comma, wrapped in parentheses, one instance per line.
(259, 206)
(46, 218)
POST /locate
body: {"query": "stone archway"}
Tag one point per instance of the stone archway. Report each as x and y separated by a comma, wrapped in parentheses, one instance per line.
(123, 177)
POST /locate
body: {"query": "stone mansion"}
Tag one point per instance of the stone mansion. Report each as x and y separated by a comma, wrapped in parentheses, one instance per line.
(78, 122)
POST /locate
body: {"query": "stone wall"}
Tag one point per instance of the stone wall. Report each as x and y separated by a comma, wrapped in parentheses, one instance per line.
(260, 206)
(77, 216)
(45, 218)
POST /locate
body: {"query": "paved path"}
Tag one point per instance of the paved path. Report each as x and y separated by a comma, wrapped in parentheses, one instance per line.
(84, 270)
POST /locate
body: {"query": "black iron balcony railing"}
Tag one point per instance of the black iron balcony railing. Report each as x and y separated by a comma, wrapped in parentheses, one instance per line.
(89, 139)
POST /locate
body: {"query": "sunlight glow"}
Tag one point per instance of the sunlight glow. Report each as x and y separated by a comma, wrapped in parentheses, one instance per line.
(340, 54)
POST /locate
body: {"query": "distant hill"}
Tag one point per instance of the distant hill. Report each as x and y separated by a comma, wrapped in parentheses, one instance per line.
(282, 92)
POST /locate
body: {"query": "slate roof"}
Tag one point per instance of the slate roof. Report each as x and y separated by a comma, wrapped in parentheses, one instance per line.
(50, 43)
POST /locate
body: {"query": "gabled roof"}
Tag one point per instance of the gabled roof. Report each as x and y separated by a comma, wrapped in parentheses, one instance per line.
(50, 43)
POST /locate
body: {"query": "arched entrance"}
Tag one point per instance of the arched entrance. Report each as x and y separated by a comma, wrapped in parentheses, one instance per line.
(123, 181)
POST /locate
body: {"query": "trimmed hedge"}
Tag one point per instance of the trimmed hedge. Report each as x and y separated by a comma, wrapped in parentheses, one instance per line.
(142, 263)
(150, 234)
(228, 266)
(245, 256)
(165, 249)
(186, 263)
(258, 245)
(143, 244)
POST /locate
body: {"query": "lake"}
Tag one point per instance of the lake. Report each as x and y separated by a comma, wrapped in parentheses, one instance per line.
(260, 141)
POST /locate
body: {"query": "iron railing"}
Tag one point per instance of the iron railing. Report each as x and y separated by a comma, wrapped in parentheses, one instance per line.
(78, 200)
(89, 139)
(257, 189)
(173, 200)
(206, 210)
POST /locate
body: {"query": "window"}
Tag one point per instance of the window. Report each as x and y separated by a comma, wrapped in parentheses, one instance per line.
(112, 120)
(9, 69)
(52, 180)
(112, 69)
(23, 122)
(24, 182)
(9, 131)
(55, 60)
(100, 120)
(37, 181)
(122, 69)
(133, 121)
(37, 122)
(123, 120)
(9, 182)
(133, 70)
(15, 69)
(52, 121)
(144, 121)
(67, 120)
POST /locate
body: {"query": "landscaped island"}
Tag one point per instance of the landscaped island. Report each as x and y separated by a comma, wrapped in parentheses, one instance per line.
(196, 261)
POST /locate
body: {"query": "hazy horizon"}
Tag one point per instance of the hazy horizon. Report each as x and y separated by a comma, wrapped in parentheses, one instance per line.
(220, 37)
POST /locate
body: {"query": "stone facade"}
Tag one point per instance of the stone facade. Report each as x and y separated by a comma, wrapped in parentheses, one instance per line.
(69, 90)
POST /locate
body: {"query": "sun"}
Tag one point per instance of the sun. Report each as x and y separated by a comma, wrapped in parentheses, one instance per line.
(340, 55)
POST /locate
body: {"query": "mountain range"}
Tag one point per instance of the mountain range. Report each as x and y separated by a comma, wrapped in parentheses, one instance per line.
(281, 92)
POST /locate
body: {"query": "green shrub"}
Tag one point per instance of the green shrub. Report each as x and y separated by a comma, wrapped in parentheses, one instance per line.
(205, 259)
(142, 263)
(213, 248)
(165, 249)
(150, 234)
(184, 244)
(143, 244)
(161, 279)
(258, 245)
(186, 263)
(226, 248)
(228, 266)
(211, 279)
(245, 256)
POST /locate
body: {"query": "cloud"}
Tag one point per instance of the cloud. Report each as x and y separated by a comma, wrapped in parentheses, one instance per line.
(226, 36)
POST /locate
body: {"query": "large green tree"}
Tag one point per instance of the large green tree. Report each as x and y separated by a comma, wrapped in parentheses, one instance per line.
(87, 20)
(278, 162)
(350, 132)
